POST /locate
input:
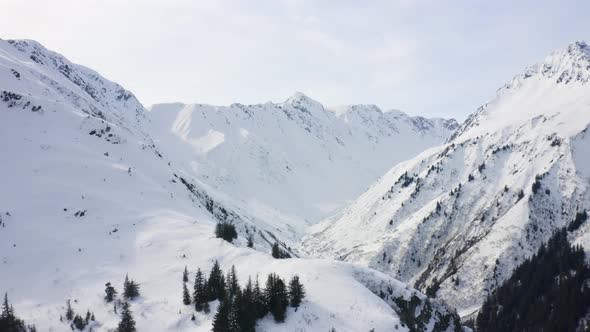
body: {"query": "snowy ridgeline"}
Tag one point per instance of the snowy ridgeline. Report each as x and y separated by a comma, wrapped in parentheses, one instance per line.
(457, 219)
(295, 161)
(92, 192)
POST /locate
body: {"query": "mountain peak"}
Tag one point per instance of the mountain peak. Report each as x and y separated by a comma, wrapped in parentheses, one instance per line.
(569, 64)
(303, 102)
(300, 98)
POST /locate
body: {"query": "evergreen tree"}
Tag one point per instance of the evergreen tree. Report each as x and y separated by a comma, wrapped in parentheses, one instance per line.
(580, 218)
(69, 311)
(279, 253)
(232, 284)
(216, 283)
(130, 288)
(276, 297)
(248, 313)
(234, 315)
(110, 291)
(296, 291)
(87, 319)
(276, 251)
(259, 300)
(8, 320)
(226, 231)
(7, 312)
(78, 323)
(221, 318)
(127, 323)
(185, 275)
(186, 298)
(199, 291)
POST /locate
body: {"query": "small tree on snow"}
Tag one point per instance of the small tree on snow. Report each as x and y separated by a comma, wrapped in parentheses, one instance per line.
(296, 291)
(127, 323)
(110, 292)
(69, 311)
(185, 275)
(186, 298)
(130, 289)
(199, 291)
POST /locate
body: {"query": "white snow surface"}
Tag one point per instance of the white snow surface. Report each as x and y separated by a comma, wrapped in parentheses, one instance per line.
(91, 190)
(295, 160)
(456, 219)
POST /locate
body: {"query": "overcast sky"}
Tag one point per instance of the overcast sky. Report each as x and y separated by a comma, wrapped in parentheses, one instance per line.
(433, 58)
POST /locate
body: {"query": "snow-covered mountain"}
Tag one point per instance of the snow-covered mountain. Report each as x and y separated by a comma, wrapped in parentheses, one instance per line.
(295, 161)
(457, 219)
(91, 190)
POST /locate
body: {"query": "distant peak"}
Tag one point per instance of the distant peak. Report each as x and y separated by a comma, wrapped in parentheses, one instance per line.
(578, 45)
(299, 97)
(303, 102)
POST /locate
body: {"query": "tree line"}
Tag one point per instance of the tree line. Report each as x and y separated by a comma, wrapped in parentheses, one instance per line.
(548, 292)
(240, 307)
(9, 322)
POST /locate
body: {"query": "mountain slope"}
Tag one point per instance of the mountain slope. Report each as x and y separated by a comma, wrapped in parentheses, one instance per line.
(457, 219)
(88, 196)
(293, 161)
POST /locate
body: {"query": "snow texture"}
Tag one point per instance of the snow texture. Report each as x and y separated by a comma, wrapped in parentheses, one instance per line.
(94, 187)
(459, 218)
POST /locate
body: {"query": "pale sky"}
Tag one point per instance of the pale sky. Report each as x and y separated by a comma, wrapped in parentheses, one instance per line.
(434, 58)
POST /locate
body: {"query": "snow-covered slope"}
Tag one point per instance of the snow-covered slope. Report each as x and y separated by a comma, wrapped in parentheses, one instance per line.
(87, 196)
(294, 160)
(458, 218)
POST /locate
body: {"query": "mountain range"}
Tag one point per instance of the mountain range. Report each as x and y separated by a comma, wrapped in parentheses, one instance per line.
(392, 221)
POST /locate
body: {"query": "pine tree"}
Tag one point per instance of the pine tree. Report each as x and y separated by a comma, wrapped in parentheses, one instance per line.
(215, 287)
(8, 320)
(78, 323)
(248, 314)
(185, 275)
(276, 297)
(221, 318)
(276, 251)
(234, 315)
(296, 291)
(259, 300)
(130, 288)
(69, 311)
(226, 231)
(110, 291)
(127, 323)
(216, 283)
(279, 253)
(7, 312)
(199, 291)
(87, 319)
(232, 284)
(186, 298)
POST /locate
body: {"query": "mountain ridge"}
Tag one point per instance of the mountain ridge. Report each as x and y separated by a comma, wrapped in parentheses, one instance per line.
(457, 219)
(91, 195)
